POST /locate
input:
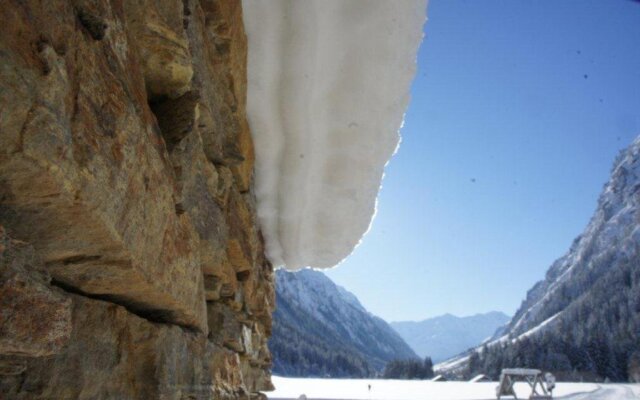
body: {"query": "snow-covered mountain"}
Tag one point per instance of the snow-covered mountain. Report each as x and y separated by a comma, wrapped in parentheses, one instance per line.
(610, 240)
(445, 336)
(321, 329)
(583, 319)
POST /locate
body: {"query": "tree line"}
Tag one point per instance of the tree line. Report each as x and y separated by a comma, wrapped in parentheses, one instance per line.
(409, 369)
(596, 336)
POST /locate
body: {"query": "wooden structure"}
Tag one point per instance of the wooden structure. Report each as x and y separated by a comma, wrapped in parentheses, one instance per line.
(541, 389)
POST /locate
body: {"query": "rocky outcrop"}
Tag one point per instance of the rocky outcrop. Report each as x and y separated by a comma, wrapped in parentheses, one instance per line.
(131, 262)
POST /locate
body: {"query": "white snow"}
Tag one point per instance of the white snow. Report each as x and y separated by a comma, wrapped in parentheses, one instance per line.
(355, 389)
(537, 327)
(460, 361)
(452, 363)
(328, 85)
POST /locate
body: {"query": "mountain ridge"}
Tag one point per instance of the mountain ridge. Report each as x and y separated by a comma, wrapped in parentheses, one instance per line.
(582, 321)
(610, 236)
(321, 329)
(446, 335)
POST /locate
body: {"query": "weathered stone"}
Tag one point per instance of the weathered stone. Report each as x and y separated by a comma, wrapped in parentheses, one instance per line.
(84, 177)
(227, 374)
(259, 294)
(10, 365)
(227, 291)
(242, 244)
(256, 379)
(223, 122)
(115, 354)
(212, 287)
(35, 319)
(156, 30)
(247, 342)
(236, 305)
(224, 327)
(126, 161)
(243, 171)
(198, 187)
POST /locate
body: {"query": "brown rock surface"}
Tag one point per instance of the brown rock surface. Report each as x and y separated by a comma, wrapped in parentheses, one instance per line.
(35, 319)
(85, 175)
(114, 354)
(126, 168)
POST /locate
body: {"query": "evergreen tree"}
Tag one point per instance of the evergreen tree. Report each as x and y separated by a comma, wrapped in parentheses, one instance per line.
(428, 368)
(409, 369)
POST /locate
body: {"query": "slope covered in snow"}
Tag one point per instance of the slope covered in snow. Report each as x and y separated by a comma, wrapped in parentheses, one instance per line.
(612, 236)
(583, 319)
(321, 329)
(445, 336)
(328, 85)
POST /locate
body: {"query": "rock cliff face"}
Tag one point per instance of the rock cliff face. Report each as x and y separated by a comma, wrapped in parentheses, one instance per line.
(131, 263)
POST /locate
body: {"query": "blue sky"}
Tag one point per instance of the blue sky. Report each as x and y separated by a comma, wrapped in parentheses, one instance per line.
(518, 110)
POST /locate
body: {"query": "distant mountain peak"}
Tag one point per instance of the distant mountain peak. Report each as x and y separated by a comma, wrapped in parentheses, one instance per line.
(447, 335)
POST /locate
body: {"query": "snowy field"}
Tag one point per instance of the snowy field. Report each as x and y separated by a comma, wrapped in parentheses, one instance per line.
(356, 389)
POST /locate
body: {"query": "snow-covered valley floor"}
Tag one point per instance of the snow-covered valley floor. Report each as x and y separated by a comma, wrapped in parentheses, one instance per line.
(358, 389)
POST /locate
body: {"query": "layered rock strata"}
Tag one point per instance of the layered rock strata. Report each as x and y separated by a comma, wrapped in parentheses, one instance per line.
(131, 262)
